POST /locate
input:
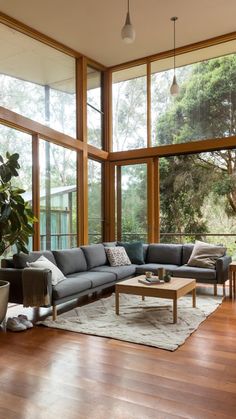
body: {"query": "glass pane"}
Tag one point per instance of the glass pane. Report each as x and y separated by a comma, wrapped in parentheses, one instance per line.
(15, 141)
(95, 210)
(37, 81)
(94, 107)
(131, 196)
(58, 215)
(205, 107)
(129, 102)
(198, 198)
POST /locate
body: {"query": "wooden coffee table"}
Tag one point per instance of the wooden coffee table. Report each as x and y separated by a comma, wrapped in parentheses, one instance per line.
(173, 290)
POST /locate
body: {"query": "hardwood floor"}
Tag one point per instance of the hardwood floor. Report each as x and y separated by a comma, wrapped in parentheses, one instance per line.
(46, 373)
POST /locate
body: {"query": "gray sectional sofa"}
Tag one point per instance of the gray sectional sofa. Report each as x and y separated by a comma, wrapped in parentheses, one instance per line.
(87, 270)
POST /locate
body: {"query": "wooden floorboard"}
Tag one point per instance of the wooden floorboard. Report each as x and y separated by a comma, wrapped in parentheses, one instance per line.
(49, 373)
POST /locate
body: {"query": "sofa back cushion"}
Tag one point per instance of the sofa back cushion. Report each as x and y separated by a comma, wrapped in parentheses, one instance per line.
(205, 255)
(95, 255)
(20, 259)
(165, 253)
(145, 251)
(109, 244)
(44, 263)
(134, 251)
(187, 251)
(70, 261)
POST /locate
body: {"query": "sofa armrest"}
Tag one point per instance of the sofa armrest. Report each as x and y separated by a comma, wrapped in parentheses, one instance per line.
(222, 267)
(37, 287)
(14, 276)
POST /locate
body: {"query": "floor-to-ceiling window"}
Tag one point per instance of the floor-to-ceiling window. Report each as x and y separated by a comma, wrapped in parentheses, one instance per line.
(14, 141)
(129, 107)
(131, 202)
(37, 81)
(95, 202)
(58, 204)
(205, 107)
(198, 198)
(95, 112)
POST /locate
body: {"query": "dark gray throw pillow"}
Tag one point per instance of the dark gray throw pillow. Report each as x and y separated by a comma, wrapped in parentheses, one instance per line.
(134, 250)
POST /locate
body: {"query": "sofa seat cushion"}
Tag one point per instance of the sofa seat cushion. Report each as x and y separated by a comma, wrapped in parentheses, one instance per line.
(121, 272)
(170, 254)
(140, 270)
(70, 286)
(202, 274)
(95, 255)
(70, 260)
(21, 259)
(97, 278)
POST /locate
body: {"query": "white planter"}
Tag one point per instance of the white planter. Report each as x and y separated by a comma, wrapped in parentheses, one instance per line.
(4, 293)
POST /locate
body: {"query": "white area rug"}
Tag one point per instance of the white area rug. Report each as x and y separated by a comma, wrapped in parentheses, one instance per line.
(146, 322)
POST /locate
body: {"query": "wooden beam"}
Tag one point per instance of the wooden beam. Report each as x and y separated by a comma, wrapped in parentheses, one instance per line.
(150, 201)
(119, 202)
(33, 33)
(36, 190)
(156, 201)
(81, 99)
(149, 107)
(181, 50)
(14, 120)
(106, 190)
(112, 200)
(82, 166)
(97, 153)
(175, 149)
(108, 111)
(82, 191)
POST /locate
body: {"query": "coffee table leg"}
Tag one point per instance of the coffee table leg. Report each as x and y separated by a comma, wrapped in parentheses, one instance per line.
(194, 297)
(143, 297)
(117, 303)
(175, 310)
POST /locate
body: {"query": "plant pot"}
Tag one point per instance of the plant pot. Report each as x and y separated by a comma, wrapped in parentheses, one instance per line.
(4, 294)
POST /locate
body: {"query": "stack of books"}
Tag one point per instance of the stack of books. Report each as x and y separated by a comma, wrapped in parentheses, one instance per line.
(151, 281)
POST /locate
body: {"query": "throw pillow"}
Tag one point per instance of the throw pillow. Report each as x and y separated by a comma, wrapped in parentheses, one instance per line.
(44, 263)
(117, 256)
(204, 255)
(134, 251)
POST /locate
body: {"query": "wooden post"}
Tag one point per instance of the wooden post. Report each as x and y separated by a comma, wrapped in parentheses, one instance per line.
(36, 190)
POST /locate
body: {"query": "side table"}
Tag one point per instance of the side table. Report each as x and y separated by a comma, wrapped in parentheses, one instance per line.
(232, 279)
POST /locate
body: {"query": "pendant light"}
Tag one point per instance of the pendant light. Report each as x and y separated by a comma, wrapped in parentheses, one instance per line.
(174, 90)
(128, 32)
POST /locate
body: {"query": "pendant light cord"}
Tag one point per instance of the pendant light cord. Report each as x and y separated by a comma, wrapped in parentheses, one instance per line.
(174, 46)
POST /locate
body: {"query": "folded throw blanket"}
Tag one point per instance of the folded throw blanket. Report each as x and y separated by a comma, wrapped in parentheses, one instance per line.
(35, 287)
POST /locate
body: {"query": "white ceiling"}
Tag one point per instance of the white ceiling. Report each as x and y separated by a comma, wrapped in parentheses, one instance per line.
(93, 27)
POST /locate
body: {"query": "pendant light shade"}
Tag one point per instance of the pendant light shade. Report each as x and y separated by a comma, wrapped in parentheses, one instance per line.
(174, 90)
(128, 32)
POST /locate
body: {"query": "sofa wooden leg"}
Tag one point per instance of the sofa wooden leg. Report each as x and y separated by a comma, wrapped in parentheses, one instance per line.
(54, 312)
(223, 286)
(215, 289)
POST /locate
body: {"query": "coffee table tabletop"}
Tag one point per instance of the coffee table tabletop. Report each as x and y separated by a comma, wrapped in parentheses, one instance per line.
(173, 290)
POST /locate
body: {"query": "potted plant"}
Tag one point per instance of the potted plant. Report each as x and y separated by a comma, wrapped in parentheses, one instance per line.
(16, 218)
(4, 293)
